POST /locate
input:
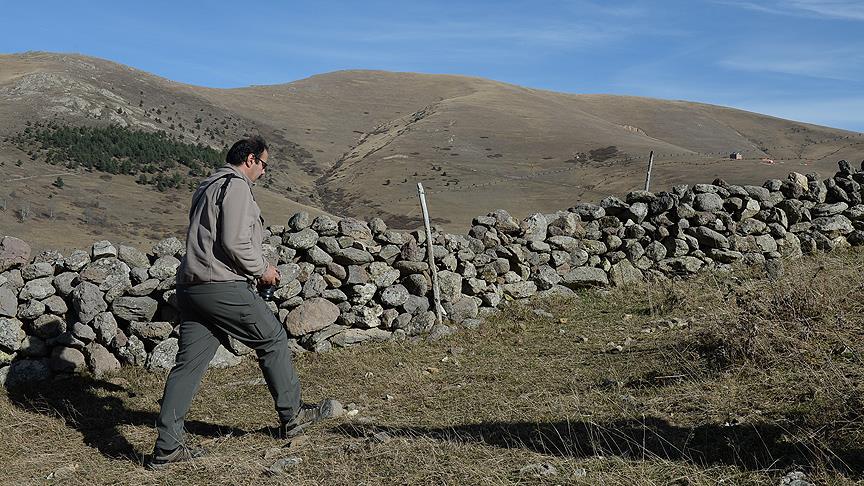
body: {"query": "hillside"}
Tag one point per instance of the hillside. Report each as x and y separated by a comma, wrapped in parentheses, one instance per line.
(355, 143)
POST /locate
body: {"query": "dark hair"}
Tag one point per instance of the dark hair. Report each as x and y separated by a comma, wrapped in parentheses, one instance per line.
(241, 149)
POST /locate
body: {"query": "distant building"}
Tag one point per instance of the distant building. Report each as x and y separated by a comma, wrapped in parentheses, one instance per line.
(736, 156)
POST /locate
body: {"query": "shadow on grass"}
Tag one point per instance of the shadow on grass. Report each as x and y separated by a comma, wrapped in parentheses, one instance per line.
(95, 408)
(752, 447)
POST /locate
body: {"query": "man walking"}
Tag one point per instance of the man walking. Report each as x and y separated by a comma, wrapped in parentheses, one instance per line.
(217, 297)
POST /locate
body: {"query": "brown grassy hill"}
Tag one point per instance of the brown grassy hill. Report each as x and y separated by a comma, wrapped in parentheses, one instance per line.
(357, 142)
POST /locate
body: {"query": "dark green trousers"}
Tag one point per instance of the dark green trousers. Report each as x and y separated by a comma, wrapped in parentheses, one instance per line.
(211, 312)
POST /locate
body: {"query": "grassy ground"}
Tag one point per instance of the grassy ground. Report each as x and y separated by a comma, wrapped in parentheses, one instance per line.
(735, 379)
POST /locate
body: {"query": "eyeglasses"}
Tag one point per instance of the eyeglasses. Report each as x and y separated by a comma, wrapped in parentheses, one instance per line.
(263, 162)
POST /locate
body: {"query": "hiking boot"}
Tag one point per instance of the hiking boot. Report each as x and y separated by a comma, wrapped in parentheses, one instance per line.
(306, 416)
(161, 460)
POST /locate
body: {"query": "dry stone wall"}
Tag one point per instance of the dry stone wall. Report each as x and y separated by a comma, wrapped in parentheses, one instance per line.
(350, 281)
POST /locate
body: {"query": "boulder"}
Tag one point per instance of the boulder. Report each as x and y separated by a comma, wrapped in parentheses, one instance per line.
(100, 360)
(13, 253)
(310, 316)
(164, 355)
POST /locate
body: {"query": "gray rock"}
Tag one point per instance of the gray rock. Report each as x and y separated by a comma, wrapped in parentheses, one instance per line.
(416, 304)
(534, 227)
(331, 408)
(65, 360)
(624, 273)
(48, 326)
(8, 303)
(65, 283)
(224, 359)
(830, 226)
(11, 334)
(13, 253)
(33, 347)
(132, 257)
(353, 336)
(585, 277)
(151, 331)
(299, 221)
(146, 287)
(83, 332)
(134, 353)
(311, 316)
(100, 361)
(314, 286)
(134, 308)
(355, 228)
(394, 296)
(546, 277)
(164, 355)
(708, 202)
(37, 270)
(164, 267)
(520, 290)
(301, 240)
(539, 470)
(680, 265)
(450, 285)
(102, 249)
(110, 274)
(357, 275)
(461, 309)
(77, 260)
(105, 326)
(169, 247)
(363, 293)
(352, 256)
(325, 226)
(407, 268)
(282, 465)
(38, 289)
(826, 210)
(382, 275)
(709, 238)
(27, 371)
(725, 256)
(55, 305)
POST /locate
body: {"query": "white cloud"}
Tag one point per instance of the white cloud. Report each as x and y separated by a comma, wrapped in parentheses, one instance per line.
(816, 61)
(837, 9)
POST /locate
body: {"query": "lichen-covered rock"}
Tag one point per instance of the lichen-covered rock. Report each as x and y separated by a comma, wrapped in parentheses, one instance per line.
(11, 334)
(164, 267)
(134, 308)
(38, 289)
(164, 355)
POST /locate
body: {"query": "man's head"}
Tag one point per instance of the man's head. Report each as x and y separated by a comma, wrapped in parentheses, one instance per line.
(250, 156)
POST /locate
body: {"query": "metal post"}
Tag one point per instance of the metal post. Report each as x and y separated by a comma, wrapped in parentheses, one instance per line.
(650, 166)
(436, 293)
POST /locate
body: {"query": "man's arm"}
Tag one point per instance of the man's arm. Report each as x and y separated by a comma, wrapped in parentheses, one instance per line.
(238, 217)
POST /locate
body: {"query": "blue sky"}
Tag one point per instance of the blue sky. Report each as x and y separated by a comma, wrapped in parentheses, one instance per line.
(798, 59)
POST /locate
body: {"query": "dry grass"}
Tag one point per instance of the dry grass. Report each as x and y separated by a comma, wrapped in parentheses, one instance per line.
(765, 379)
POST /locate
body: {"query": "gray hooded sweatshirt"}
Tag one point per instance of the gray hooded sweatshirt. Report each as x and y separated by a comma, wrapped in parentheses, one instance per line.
(223, 243)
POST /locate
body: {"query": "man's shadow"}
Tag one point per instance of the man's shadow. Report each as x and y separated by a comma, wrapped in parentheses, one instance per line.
(95, 408)
(754, 447)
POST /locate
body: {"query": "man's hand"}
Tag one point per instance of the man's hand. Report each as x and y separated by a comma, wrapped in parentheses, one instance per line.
(271, 276)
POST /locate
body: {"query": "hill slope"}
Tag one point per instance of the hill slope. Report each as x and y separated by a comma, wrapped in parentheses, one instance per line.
(357, 142)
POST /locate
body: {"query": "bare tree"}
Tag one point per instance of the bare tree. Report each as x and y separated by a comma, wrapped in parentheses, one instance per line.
(23, 211)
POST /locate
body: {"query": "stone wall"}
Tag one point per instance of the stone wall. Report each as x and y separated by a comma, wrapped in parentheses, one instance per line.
(349, 281)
